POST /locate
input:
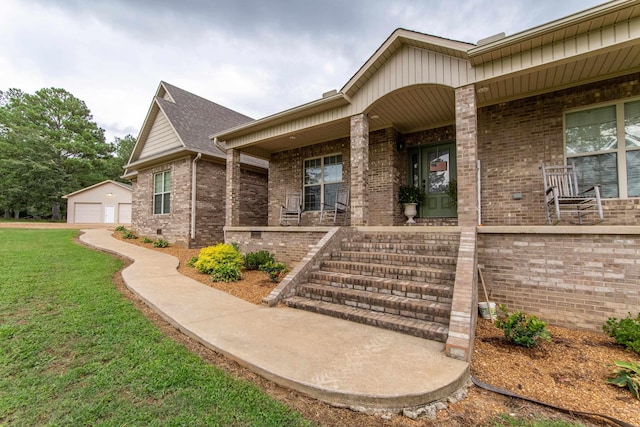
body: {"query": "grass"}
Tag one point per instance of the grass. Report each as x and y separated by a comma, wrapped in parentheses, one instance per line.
(73, 351)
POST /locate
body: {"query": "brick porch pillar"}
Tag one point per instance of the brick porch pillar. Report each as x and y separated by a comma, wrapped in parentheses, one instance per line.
(232, 205)
(464, 310)
(467, 155)
(359, 170)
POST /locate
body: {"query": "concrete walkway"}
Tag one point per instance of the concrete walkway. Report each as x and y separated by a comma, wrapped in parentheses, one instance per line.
(336, 361)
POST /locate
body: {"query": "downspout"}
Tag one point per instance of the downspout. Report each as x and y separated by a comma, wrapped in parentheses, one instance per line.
(193, 195)
(479, 193)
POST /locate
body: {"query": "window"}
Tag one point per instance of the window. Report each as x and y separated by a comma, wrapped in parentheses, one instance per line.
(604, 144)
(162, 192)
(322, 180)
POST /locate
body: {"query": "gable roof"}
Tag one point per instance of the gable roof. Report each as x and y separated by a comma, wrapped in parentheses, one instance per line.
(109, 181)
(193, 119)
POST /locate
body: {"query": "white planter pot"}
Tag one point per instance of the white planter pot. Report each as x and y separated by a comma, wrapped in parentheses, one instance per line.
(410, 211)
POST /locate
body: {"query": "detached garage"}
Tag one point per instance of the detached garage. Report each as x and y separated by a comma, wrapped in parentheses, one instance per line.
(108, 202)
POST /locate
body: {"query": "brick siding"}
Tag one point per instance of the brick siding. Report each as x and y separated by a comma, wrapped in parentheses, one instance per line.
(210, 198)
(514, 138)
(572, 280)
(287, 244)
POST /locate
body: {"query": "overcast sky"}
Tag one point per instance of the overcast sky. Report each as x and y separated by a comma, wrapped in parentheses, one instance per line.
(257, 57)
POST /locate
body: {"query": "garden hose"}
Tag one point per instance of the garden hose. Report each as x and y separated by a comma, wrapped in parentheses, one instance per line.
(567, 411)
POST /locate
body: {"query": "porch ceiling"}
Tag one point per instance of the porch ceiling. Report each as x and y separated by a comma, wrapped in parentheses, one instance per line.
(407, 110)
(576, 70)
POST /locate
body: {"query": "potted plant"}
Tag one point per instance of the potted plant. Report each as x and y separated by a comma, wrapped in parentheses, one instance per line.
(410, 196)
(452, 191)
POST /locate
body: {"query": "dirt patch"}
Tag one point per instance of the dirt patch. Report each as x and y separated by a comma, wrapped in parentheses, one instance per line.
(569, 371)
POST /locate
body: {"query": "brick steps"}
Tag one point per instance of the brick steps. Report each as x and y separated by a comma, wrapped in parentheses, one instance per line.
(418, 274)
(403, 282)
(403, 259)
(419, 328)
(406, 288)
(383, 303)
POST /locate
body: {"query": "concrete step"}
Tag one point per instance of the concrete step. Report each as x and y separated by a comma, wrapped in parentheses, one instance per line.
(417, 274)
(440, 292)
(384, 303)
(446, 262)
(419, 328)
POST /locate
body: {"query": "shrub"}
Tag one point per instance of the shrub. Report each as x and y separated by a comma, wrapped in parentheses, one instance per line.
(625, 331)
(210, 258)
(275, 270)
(627, 375)
(254, 260)
(226, 272)
(160, 243)
(120, 228)
(521, 329)
(126, 234)
(192, 261)
(146, 240)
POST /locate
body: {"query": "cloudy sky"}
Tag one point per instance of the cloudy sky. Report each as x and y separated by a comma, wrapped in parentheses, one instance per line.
(257, 57)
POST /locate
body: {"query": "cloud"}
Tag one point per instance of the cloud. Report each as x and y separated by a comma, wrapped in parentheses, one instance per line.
(257, 57)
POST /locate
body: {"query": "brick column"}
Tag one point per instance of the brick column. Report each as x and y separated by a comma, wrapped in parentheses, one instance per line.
(467, 155)
(359, 170)
(465, 290)
(232, 205)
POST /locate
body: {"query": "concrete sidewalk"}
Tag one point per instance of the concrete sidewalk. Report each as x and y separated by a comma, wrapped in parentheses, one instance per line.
(336, 361)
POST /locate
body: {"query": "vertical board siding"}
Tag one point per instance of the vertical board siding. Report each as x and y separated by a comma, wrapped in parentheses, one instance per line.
(161, 137)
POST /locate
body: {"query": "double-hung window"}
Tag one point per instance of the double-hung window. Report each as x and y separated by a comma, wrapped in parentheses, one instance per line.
(322, 180)
(604, 144)
(162, 192)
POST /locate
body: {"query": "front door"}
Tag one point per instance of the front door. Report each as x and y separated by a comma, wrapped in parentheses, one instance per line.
(437, 170)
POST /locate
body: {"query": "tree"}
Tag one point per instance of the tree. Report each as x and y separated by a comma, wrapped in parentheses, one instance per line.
(123, 148)
(49, 146)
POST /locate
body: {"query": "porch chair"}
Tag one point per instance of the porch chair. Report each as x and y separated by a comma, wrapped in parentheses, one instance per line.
(341, 206)
(292, 208)
(562, 195)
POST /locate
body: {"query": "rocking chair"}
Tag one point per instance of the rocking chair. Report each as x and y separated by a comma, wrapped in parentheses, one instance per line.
(292, 209)
(341, 206)
(562, 195)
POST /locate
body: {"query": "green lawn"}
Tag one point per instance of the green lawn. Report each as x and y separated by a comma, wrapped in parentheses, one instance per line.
(73, 351)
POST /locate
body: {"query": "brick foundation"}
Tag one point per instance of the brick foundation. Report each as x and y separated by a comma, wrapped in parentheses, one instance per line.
(562, 274)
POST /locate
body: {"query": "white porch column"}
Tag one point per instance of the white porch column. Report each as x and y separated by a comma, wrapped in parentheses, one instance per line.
(232, 205)
(359, 170)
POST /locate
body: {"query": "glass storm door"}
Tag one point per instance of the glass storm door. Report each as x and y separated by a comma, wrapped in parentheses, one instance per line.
(438, 168)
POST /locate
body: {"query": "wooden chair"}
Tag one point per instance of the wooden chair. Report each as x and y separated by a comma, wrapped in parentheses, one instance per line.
(340, 207)
(292, 208)
(562, 195)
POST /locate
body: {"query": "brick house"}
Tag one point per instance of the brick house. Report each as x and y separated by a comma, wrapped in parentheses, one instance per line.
(425, 110)
(178, 175)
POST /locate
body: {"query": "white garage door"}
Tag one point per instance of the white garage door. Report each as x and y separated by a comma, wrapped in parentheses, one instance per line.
(88, 213)
(124, 213)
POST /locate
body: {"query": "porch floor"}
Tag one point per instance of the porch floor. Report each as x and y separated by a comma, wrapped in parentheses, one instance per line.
(333, 360)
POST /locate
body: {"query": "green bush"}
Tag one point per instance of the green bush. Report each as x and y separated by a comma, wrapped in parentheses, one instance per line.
(146, 240)
(627, 375)
(192, 261)
(160, 243)
(521, 329)
(254, 260)
(120, 228)
(626, 331)
(127, 234)
(212, 257)
(275, 270)
(229, 272)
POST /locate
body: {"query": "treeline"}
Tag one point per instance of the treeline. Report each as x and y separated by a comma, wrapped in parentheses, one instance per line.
(50, 146)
